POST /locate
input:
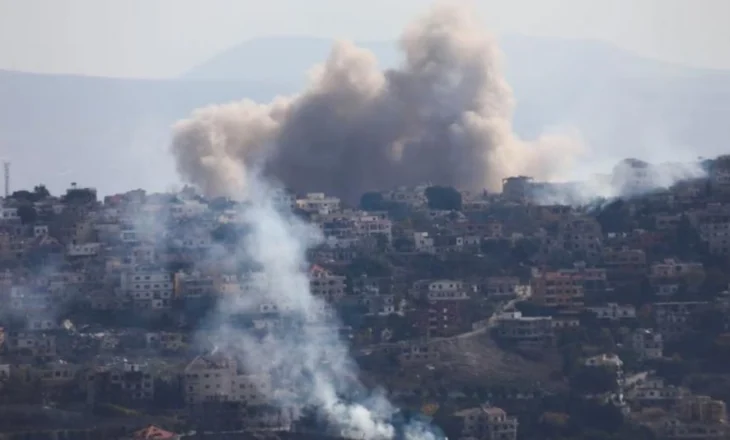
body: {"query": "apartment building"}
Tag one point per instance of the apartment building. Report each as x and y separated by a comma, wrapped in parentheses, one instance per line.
(525, 331)
(558, 289)
(670, 271)
(625, 267)
(218, 378)
(325, 284)
(673, 319)
(487, 423)
(580, 234)
(647, 344)
(443, 316)
(613, 312)
(318, 203)
(148, 289)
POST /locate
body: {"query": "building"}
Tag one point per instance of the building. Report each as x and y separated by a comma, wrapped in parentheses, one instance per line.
(557, 289)
(673, 272)
(325, 284)
(632, 176)
(525, 331)
(647, 344)
(218, 378)
(447, 301)
(517, 189)
(318, 203)
(580, 234)
(148, 289)
(605, 360)
(486, 423)
(673, 318)
(500, 287)
(424, 243)
(625, 267)
(614, 312)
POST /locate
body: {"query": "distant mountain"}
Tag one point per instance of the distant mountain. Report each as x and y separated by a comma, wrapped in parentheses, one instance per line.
(113, 133)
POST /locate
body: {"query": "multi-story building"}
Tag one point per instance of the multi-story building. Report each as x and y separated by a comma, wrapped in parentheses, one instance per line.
(613, 311)
(487, 423)
(325, 284)
(653, 392)
(673, 318)
(713, 225)
(671, 271)
(218, 378)
(557, 289)
(625, 267)
(499, 287)
(517, 188)
(318, 203)
(148, 289)
(525, 331)
(580, 234)
(647, 344)
(443, 316)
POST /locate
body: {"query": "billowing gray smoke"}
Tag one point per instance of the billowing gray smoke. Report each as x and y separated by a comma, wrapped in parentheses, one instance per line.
(444, 116)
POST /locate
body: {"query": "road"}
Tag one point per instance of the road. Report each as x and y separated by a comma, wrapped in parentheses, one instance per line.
(490, 323)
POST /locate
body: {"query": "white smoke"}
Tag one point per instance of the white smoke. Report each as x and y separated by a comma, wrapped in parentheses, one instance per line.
(309, 359)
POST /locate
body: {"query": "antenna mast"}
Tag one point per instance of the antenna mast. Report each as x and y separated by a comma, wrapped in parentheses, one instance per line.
(6, 167)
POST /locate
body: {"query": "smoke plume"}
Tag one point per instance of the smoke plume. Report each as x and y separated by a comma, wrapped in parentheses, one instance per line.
(443, 116)
(304, 354)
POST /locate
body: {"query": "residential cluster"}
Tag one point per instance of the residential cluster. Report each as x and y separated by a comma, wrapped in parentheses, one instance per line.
(492, 316)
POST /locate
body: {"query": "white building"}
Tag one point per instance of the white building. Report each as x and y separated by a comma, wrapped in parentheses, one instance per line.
(604, 360)
(424, 243)
(319, 203)
(8, 213)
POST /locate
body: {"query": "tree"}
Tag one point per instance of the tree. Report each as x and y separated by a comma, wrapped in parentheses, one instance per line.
(372, 201)
(27, 214)
(23, 196)
(594, 380)
(444, 198)
(41, 192)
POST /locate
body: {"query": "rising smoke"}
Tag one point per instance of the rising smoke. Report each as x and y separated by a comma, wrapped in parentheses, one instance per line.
(444, 116)
(305, 355)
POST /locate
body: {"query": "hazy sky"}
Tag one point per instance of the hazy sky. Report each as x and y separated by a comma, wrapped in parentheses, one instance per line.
(162, 38)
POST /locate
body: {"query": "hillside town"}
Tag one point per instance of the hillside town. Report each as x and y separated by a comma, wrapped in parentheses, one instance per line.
(491, 316)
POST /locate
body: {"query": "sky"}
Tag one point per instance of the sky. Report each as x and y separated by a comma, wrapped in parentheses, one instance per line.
(164, 38)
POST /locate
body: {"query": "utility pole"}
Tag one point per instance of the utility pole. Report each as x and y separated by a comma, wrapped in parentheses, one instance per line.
(6, 166)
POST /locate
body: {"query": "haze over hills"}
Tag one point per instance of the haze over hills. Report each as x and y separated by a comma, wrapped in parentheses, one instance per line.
(113, 133)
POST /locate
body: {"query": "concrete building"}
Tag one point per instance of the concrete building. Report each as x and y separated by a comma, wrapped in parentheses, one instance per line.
(487, 423)
(218, 378)
(525, 331)
(647, 344)
(614, 312)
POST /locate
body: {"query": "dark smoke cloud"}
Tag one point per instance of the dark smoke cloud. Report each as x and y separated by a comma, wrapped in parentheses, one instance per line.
(443, 116)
